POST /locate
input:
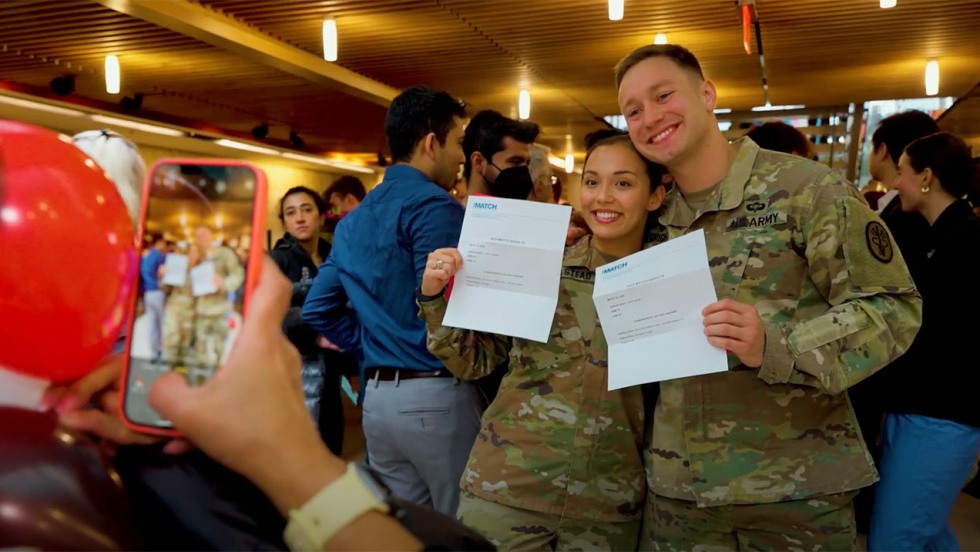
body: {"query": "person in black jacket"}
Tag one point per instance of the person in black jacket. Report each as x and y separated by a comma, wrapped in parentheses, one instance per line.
(299, 254)
(908, 230)
(931, 435)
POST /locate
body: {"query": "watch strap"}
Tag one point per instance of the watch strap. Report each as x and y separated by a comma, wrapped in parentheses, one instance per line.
(330, 510)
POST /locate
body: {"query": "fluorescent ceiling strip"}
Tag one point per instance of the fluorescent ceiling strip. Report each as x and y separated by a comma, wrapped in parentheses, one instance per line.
(136, 125)
(777, 107)
(38, 106)
(246, 147)
(328, 162)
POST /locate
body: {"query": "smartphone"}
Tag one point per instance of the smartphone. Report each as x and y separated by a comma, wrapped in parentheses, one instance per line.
(200, 235)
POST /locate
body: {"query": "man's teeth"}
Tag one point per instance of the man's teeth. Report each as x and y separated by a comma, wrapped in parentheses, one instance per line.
(663, 134)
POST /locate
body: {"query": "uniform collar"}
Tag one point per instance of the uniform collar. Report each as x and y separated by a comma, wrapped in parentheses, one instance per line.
(728, 193)
(581, 254)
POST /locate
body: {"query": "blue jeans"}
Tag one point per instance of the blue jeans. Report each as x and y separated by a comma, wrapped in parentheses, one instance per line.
(154, 302)
(924, 464)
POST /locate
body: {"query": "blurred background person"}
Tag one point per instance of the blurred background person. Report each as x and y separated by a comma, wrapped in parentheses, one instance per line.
(299, 254)
(345, 194)
(178, 318)
(342, 197)
(931, 434)
(151, 270)
(498, 150)
(541, 175)
(213, 309)
(909, 230)
(778, 136)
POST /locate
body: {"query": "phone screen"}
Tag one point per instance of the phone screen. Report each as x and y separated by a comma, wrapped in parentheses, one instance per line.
(197, 233)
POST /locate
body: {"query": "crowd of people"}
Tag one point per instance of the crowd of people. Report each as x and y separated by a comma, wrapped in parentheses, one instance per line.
(846, 405)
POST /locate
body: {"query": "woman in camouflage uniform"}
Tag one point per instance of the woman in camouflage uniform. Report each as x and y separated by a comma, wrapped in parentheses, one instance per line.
(557, 464)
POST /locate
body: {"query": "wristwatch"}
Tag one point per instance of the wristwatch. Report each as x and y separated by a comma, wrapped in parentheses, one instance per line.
(333, 508)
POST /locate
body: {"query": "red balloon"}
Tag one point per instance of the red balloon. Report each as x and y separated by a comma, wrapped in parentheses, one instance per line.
(68, 258)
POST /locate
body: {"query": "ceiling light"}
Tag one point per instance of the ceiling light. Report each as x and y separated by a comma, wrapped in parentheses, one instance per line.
(932, 77)
(350, 167)
(330, 39)
(661, 38)
(722, 110)
(556, 161)
(616, 9)
(112, 74)
(245, 147)
(770, 107)
(136, 125)
(38, 106)
(524, 104)
(885, 4)
(327, 162)
(569, 163)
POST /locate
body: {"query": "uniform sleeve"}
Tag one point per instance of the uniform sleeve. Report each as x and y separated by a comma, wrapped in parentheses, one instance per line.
(466, 353)
(875, 311)
(326, 309)
(234, 273)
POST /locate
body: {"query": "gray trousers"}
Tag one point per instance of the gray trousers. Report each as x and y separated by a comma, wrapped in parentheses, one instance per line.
(154, 301)
(419, 433)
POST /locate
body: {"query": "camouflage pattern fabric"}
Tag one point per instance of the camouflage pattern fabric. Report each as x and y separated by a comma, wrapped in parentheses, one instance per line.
(554, 441)
(232, 274)
(823, 523)
(211, 323)
(511, 528)
(210, 333)
(178, 325)
(795, 240)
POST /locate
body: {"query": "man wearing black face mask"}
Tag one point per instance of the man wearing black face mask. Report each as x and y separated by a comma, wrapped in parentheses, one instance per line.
(498, 150)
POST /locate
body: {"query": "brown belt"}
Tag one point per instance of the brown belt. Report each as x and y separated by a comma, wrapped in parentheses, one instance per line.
(389, 374)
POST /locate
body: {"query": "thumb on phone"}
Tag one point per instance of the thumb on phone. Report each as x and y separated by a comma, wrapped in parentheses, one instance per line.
(168, 395)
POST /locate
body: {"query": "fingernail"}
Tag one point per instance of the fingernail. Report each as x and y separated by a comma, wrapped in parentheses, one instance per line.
(66, 406)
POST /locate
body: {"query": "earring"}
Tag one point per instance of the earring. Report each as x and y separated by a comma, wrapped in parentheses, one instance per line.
(924, 189)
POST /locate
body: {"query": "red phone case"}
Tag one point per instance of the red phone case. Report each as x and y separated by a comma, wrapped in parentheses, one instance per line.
(252, 268)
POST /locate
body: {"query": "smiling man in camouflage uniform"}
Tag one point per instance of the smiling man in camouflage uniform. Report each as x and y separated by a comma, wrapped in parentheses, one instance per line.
(814, 298)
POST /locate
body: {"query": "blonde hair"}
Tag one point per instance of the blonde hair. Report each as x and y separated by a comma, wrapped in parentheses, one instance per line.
(121, 161)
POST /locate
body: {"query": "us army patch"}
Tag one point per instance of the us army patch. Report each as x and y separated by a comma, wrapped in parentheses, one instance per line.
(577, 273)
(755, 221)
(879, 242)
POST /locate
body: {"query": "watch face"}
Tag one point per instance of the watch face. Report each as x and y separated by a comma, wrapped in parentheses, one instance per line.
(372, 481)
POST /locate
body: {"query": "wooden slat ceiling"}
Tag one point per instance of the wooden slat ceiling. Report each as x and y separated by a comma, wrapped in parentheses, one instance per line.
(818, 52)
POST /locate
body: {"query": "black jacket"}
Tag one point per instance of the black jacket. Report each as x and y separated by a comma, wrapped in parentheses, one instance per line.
(909, 230)
(292, 259)
(939, 375)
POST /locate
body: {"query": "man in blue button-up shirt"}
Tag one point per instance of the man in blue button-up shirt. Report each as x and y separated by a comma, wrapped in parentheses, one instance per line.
(419, 422)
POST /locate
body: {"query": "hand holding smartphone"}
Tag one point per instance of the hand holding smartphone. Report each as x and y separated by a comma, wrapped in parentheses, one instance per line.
(201, 220)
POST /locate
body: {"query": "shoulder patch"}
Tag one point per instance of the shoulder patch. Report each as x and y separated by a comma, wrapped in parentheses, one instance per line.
(879, 242)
